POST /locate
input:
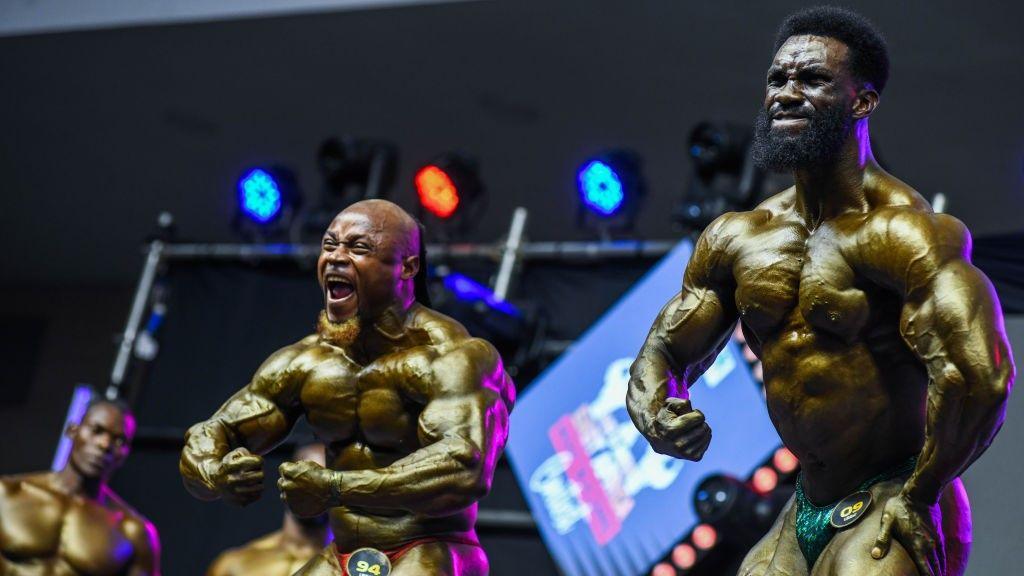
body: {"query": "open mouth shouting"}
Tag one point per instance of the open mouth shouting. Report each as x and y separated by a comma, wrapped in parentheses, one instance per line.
(340, 296)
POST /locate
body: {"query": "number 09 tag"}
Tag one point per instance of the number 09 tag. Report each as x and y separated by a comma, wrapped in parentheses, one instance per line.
(368, 562)
(850, 509)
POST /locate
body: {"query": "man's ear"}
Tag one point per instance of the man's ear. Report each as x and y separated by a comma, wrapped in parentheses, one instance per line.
(71, 430)
(865, 102)
(410, 267)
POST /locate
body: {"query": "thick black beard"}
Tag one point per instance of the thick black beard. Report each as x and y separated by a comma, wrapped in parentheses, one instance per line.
(341, 334)
(818, 144)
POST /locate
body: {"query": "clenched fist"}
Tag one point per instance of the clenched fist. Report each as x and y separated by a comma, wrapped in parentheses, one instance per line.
(239, 476)
(307, 488)
(679, 431)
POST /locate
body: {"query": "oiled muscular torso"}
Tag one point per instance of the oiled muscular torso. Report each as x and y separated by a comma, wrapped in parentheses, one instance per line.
(269, 555)
(45, 532)
(843, 389)
(368, 416)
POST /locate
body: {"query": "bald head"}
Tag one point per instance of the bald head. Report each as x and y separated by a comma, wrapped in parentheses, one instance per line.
(369, 261)
(392, 220)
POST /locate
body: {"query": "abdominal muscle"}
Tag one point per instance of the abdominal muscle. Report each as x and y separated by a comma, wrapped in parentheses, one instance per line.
(848, 411)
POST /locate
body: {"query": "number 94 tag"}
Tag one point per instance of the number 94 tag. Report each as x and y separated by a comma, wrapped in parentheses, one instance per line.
(850, 509)
(368, 562)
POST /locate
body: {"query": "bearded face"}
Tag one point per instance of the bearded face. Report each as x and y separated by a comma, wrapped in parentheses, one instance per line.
(808, 109)
(817, 142)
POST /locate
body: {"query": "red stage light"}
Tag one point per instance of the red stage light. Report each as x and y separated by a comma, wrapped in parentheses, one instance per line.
(785, 461)
(437, 192)
(765, 480)
(704, 537)
(684, 556)
(663, 569)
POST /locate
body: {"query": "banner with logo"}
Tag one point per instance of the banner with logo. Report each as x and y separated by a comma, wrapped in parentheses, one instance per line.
(607, 504)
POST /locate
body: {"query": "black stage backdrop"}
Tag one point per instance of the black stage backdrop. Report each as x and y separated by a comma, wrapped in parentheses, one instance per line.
(223, 320)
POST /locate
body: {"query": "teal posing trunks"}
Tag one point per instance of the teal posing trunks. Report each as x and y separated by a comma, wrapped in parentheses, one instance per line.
(813, 530)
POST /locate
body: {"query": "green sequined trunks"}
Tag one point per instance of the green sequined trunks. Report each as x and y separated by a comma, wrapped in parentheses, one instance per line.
(813, 530)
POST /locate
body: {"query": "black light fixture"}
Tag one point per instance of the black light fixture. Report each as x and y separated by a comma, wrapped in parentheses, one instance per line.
(724, 175)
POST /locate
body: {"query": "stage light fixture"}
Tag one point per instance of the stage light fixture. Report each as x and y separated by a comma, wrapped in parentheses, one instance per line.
(704, 537)
(267, 198)
(259, 195)
(355, 169)
(663, 569)
(450, 194)
(601, 187)
(684, 556)
(724, 175)
(436, 191)
(468, 290)
(764, 480)
(785, 461)
(610, 187)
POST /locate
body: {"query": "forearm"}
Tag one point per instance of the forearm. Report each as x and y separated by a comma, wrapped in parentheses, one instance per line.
(437, 480)
(652, 378)
(958, 333)
(686, 337)
(248, 420)
(205, 444)
(963, 417)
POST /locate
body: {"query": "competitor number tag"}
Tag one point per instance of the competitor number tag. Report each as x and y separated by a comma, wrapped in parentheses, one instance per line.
(850, 509)
(368, 562)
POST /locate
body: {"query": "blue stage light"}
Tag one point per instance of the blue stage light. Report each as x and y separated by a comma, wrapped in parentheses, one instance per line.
(259, 196)
(601, 188)
(469, 290)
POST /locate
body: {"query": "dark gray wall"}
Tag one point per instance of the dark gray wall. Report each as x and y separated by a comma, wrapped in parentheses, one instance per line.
(102, 129)
(994, 481)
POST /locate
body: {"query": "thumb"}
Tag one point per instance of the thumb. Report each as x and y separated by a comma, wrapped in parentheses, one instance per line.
(881, 547)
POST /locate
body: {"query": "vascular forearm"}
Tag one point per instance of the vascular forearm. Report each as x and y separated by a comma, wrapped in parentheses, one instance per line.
(439, 479)
(962, 420)
(686, 337)
(958, 333)
(248, 420)
(205, 444)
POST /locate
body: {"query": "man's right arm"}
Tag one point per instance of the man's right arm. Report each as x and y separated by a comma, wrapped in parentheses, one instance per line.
(687, 335)
(218, 458)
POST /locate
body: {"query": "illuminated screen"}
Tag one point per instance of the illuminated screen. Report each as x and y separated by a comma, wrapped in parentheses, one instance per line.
(604, 501)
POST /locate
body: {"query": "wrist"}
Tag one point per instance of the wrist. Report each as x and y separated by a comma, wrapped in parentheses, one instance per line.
(335, 483)
(919, 492)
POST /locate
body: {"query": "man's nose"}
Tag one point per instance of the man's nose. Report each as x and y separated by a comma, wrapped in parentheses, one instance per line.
(339, 255)
(789, 95)
(104, 442)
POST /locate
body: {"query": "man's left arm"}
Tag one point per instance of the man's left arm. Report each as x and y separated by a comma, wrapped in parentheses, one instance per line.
(462, 428)
(952, 321)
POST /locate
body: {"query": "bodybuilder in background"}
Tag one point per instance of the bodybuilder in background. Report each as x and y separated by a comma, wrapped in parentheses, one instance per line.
(70, 523)
(886, 364)
(414, 413)
(283, 552)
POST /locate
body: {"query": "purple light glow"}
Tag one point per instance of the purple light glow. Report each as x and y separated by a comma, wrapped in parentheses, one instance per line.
(79, 402)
